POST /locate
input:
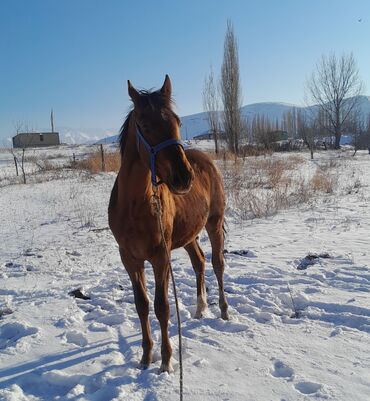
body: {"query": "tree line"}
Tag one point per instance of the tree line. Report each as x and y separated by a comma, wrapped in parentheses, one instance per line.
(334, 88)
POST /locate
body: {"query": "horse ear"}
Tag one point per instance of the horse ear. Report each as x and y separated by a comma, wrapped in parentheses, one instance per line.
(167, 87)
(133, 93)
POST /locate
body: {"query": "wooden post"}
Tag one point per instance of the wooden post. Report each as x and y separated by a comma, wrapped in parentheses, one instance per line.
(102, 158)
(52, 120)
(16, 165)
(22, 167)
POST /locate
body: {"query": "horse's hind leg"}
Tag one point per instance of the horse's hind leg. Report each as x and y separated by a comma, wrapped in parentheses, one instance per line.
(216, 236)
(198, 262)
(135, 270)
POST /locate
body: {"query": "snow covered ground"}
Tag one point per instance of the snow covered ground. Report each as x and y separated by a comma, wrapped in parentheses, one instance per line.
(34, 158)
(299, 327)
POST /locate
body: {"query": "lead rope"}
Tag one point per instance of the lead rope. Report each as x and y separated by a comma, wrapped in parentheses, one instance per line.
(157, 210)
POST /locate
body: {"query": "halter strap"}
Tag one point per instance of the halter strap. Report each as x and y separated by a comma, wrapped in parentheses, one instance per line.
(153, 150)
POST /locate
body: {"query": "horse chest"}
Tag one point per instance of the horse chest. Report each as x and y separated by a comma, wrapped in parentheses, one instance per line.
(137, 236)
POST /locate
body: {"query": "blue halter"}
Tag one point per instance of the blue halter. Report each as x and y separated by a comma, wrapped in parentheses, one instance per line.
(153, 150)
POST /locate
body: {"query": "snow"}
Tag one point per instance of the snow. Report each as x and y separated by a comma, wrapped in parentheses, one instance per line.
(294, 333)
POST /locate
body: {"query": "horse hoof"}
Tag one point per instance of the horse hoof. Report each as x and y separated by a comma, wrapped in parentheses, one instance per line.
(199, 315)
(166, 368)
(145, 362)
(225, 315)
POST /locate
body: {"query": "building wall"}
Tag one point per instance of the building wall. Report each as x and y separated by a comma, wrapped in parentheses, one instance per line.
(29, 140)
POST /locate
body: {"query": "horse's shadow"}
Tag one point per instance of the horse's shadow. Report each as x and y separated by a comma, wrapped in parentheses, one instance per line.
(32, 371)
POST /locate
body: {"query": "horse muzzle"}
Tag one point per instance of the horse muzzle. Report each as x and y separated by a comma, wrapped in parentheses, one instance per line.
(180, 181)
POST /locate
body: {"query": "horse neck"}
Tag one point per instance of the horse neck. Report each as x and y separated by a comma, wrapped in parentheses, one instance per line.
(134, 173)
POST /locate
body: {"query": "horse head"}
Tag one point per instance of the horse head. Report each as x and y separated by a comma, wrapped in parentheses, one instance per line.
(158, 129)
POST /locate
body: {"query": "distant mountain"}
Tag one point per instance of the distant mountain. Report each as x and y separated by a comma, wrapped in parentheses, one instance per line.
(107, 139)
(364, 105)
(193, 125)
(196, 124)
(274, 111)
(83, 135)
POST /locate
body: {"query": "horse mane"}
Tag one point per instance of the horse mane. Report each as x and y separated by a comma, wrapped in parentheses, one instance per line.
(123, 133)
(154, 100)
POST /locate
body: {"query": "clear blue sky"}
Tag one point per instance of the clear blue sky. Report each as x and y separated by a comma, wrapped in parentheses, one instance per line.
(76, 55)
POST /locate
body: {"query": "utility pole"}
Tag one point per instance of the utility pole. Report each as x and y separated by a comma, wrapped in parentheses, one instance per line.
(52, 120)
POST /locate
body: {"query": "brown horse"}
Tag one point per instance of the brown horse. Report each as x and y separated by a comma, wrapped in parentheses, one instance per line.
(192, 197)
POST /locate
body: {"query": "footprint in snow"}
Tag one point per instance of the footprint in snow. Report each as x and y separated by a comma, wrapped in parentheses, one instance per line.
(17, 270)
(241, 252)
(201, 363)
(75, 337)
(111, 319)
(5, 311)
(96, 327)
(11, 333)
(280, 369)
(13, 265)
(308, 388)
(29, 252)
(73, 253)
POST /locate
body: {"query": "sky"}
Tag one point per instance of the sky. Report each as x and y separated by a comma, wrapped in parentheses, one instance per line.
(76, 56)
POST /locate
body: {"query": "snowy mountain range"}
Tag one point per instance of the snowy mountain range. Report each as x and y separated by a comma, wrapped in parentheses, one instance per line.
(195, 124)
(84, 135)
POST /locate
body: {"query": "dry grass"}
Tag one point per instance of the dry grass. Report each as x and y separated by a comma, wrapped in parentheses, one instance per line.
(246, 151)
(93, 163)
(249, 150)
(321, 182)
(329, 164)
(223, 155)
(44, 168)
(260, 187)
(270, 163)
(46, 165)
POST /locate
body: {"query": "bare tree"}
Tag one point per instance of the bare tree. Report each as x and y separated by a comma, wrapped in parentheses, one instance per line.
(367, 135)
(307, 129)
(356, 127)
(359, 130)
(335, 86)
(262, 129)
(231, 91)
(19, 155)
(211, 106)
(289, 122)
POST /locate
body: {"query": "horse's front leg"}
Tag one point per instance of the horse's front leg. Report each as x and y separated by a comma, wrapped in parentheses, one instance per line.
(162, 308)
(135, 269)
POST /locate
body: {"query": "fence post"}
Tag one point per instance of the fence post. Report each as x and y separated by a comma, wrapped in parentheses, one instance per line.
(102, 158)
(22, 166)
(16, 165)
